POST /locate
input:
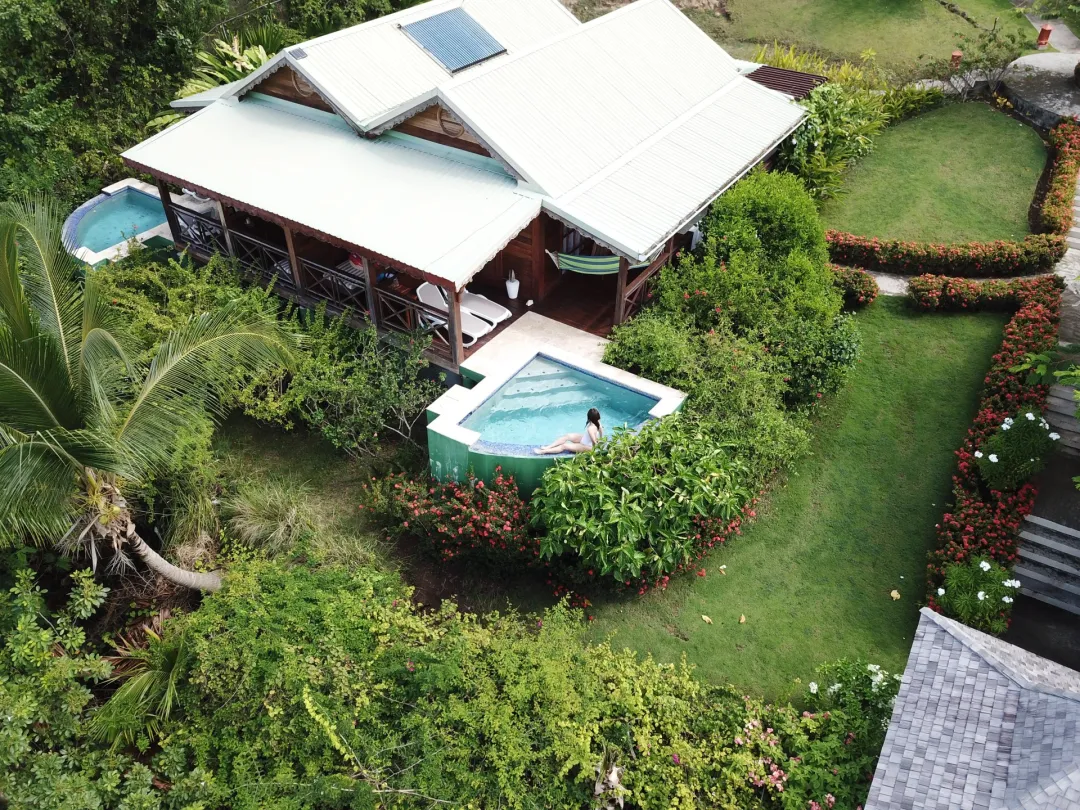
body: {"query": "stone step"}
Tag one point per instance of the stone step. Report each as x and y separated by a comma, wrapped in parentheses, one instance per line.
(1037, 538)
(1062, 601)
(1072, 242)
(1042, 577)
(1065, 565)
(1074, 231)
(1055, 531)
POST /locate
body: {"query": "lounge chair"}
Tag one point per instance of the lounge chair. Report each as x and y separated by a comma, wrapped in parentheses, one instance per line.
(471, 326)
(481, 306)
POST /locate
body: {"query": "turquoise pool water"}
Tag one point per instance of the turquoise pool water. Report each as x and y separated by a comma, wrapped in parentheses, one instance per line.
(118, 218)
(547, 399)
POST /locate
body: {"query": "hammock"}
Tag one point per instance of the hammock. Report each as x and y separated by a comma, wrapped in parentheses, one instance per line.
(589, 265)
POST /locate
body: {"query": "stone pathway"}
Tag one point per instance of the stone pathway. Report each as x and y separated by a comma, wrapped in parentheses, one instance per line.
(1061, 37)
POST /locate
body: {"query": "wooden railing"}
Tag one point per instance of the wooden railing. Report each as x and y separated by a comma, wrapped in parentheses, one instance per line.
(199, 231)
(266, 260)
(398, 314)
(339, 289)
(637, 292)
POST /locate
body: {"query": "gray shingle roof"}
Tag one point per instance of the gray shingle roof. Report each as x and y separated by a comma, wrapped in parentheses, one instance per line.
(979, 724)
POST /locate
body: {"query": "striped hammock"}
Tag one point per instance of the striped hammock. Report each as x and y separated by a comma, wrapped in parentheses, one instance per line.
(589, 265)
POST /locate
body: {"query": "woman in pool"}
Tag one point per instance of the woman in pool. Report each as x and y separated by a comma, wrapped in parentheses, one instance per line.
(576, 442)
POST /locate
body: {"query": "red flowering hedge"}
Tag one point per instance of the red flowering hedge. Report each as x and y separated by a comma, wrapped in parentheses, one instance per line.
(1057, 207)
(455, 519)
(931, 293)
(858, 287)
(982, 521)
(1035, 254)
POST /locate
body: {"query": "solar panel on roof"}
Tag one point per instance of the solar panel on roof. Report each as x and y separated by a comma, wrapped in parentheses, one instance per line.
(454, 39)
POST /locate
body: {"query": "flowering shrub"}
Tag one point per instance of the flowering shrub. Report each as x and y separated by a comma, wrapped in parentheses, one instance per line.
(986, 522)
(930, 293)
(1017, 451)
(857, 286)
(455, 519)
(1035, 254)
(978, 593)
(1057, 207)
(644, 505)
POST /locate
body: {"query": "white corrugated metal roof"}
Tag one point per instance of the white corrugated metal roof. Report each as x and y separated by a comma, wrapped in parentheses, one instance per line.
(640, 200)
(372, 73)
(569, 108)
(197, 101)
(446, 217)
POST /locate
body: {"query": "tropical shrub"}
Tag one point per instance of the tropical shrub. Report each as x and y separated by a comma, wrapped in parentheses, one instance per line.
(858, 287)
(474, 520)
(982, 522)
(358, 699)
(1016, 452)
(631, 510)
(988, 53)
(350, 385)
(816, 358)
(659, 346)
(978, 593)
(768, 213)
(1037, 253)
(47, 670)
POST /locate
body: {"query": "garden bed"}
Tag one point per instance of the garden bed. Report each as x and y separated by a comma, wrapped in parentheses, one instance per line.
(813, 574)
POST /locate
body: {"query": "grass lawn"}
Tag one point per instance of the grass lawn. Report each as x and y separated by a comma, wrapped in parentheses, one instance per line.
(962, 172)
(813, 574)
(898, 31)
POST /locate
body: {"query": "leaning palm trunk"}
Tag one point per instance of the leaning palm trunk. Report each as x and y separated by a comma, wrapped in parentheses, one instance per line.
(210, 581)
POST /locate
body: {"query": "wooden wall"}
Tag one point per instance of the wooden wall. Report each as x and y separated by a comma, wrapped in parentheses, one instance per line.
(284, 83)
(439, 125)
(526, 257)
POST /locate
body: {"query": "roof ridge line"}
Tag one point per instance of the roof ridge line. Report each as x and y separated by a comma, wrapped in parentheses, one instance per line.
(595, 22)
(377, 22)
(946, 624)
(646, 143)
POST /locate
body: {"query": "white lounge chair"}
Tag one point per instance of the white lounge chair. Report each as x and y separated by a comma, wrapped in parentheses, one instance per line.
(471, 326)
(481, 306)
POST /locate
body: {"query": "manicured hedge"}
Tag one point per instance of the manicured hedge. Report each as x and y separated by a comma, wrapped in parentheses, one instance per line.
(1037, 253)
(981, 521)
(857, 286)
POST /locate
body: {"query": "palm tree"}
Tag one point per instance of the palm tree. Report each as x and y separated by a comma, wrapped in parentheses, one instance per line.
(79, 422)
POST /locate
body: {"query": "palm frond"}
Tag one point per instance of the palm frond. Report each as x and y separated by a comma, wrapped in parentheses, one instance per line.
(189, 371)
(49, 273)
(35, 394)
(105, 367)
(14, 307)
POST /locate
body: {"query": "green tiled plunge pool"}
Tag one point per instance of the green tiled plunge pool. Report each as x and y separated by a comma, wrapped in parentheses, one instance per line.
(502, 419)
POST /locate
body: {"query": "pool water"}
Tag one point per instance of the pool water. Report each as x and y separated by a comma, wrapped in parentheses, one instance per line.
(547, 399)
(118, 218)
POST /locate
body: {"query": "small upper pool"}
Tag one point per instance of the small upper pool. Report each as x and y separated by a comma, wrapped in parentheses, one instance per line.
(547, 399)
(118, 218)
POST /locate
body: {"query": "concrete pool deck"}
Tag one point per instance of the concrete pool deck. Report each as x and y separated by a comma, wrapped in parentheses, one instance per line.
(454, 450)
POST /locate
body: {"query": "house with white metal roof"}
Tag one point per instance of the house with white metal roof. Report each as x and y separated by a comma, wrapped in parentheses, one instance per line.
(385, 167)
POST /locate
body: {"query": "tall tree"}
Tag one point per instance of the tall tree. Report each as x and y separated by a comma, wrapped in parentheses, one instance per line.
(79, 421)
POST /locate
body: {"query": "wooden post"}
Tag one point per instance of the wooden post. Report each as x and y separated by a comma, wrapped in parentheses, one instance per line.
(620, 291)
(224, 227)
(457, 349)
(371, 277)
(170, 213)
(294, 262)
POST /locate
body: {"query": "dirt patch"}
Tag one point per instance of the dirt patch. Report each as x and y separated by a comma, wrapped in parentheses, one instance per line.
(588, 9)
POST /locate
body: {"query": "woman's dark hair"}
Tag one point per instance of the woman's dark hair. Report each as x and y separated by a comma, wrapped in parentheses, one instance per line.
(593, 416)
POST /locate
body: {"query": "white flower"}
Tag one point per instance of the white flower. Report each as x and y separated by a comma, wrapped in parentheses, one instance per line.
(978, 454)
(1030, 416)
(1006, 426)
(940, 591)
(834, 689)
(1044, 424)
(813, 688)
(1007, 600)
(993, 458)
(981, 595)
(1015, 583)
(1055, 436)
(984, 565)
(874, 667)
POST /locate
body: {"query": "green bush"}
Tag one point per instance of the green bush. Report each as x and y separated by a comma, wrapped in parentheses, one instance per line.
(358, 699)
(658, 346)
(816, 358)
(768, 213)
(631, 510)
(1016, 452)
(978, 593)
